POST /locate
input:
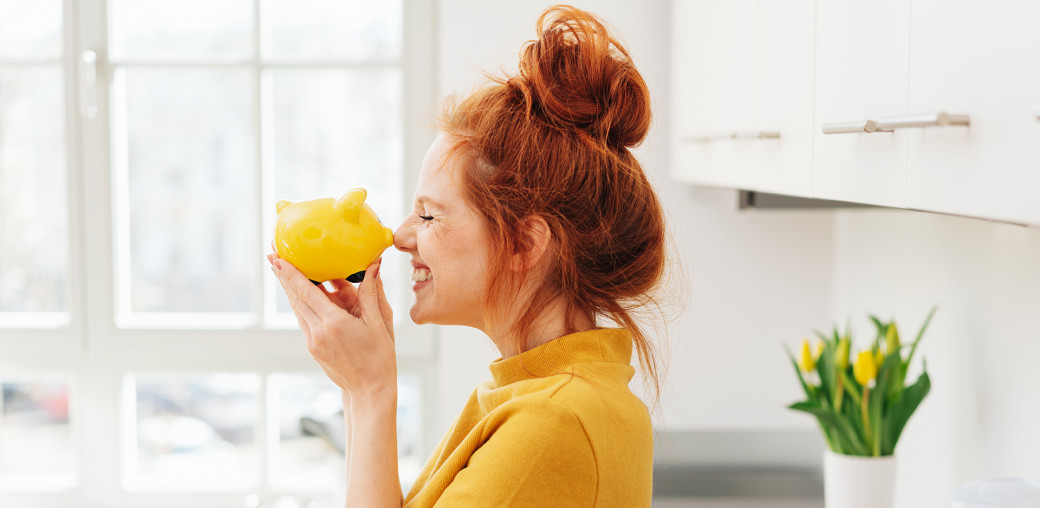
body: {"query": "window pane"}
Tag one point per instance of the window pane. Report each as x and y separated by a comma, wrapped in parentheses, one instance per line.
(34, 259)
(191, 174)
(30, 29)
(308, 409)
(180, 29)
(351, 29)
(410, 457)
(193, 431)
(36, 451)
(332, 130)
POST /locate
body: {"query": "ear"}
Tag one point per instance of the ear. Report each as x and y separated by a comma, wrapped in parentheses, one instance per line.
(537, 237)
(348, 205)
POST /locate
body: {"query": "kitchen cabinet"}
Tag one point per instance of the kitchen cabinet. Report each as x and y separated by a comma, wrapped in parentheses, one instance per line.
(742, 84)
(862, 53)
(980, 59)
(929, 105)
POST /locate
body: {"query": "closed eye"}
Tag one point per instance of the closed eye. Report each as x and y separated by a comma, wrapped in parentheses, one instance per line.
(426, 218)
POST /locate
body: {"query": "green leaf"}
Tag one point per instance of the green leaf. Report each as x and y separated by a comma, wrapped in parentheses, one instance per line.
(821, 335)
(851, 413)
(825, 368)
(898, 377)
(826, 430)
(850, 442)
(881, 328)
(811, 394)
(920, 334)
(852, 388)
(902, 410)
(876, 408)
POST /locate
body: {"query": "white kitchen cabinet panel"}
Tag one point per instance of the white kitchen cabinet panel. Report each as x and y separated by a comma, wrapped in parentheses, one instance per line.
(742, 92)
(784, 165)
(714, 89)
(862, 59)
(981, 59)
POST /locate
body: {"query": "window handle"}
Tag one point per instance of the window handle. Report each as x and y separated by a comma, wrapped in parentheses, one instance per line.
(866, 126)
(88, 63)
(734, 135)
(930, 120)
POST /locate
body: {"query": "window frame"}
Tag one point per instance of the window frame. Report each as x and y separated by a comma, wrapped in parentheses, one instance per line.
(97, 354)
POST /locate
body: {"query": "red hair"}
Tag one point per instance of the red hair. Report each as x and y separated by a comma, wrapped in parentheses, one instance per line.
(553, 142)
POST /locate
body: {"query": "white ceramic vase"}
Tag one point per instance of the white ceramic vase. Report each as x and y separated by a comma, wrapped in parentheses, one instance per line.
(858, 482)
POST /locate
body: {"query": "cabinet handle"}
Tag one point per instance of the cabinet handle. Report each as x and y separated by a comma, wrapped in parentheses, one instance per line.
(932, 120)
(853, 127)
(734, 135)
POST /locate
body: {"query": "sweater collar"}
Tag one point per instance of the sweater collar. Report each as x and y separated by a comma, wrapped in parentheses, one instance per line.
(611, 345)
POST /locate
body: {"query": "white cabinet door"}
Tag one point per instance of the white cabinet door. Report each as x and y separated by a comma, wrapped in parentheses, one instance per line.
(784, 165)
(714, 57)
(981, 59)
(742, 92)
(862, 55)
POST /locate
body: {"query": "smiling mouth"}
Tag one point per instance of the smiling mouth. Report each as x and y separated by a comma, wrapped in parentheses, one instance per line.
(421, 275)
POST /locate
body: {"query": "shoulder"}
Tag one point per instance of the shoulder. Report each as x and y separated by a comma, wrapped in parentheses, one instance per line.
(579, 403)
(539, 412)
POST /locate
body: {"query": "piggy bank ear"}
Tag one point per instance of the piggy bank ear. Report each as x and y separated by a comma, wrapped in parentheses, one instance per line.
(282, 204)
(348, 205)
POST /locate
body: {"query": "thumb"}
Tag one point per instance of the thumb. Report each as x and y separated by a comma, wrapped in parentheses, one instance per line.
(384, 309)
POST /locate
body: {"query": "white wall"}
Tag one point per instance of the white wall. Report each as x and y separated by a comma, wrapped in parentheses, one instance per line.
(755, 279)
(982, 418)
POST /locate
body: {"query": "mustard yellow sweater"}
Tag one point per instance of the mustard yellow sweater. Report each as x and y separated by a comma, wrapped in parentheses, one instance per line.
(555, 426)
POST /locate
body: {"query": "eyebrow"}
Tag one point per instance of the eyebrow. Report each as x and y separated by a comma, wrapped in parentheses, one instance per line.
(427, 199)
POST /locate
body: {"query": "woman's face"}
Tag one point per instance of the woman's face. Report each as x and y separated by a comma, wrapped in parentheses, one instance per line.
(448, 245)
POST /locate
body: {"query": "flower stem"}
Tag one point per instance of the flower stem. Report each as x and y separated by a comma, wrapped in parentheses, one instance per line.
(864, 409)
(840, 396)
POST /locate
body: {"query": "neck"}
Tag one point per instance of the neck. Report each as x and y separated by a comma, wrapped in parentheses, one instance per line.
(551, 323)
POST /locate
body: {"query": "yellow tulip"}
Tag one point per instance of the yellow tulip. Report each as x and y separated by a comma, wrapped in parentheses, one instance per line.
(892, 338)
(841, 356)
(808, 361)
(865, 368)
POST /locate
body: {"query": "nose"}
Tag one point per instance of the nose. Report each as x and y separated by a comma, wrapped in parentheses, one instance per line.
(404, 237)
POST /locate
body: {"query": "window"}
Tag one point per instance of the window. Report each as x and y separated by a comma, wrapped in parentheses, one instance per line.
(147, 356)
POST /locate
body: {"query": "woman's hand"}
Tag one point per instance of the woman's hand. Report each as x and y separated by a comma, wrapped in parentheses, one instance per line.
(349, 331)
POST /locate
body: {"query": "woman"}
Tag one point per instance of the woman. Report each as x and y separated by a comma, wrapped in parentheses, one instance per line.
(534, 223)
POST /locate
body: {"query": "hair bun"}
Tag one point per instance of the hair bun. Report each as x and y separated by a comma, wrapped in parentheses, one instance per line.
(576, 74)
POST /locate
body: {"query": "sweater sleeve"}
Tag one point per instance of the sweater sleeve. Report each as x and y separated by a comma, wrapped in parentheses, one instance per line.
(537, 454)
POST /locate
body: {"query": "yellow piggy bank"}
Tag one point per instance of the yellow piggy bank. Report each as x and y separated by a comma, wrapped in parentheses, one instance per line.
(331, 238)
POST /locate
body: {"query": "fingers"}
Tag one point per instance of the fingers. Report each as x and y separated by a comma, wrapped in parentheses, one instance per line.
(306, 299)
(345, 294)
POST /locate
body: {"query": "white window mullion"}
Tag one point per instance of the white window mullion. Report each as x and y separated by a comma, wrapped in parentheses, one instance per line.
(99, 390)
(258, 194)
